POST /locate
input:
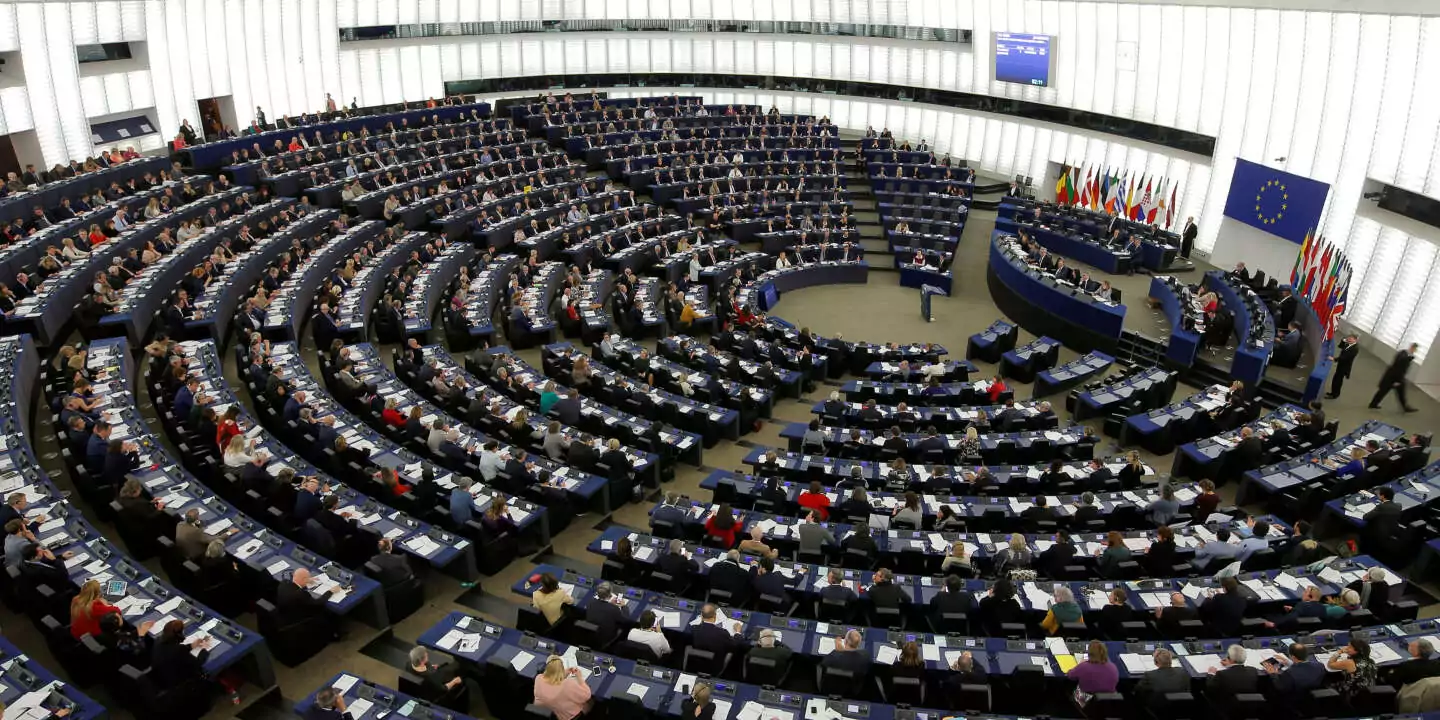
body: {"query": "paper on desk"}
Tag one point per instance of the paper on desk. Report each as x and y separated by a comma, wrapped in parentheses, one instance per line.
(1201, 664)
(344, 683)
(887, 655)
(521, 660)
(357, 708)
(450, 639)
(169, 606)
(160, 624)
(1137, 663)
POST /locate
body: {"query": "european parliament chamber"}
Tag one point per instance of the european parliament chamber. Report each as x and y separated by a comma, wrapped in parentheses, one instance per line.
(830, 360)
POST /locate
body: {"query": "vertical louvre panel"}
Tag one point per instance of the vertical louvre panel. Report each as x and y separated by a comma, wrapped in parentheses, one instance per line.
(1401, 54)
(1420, 163)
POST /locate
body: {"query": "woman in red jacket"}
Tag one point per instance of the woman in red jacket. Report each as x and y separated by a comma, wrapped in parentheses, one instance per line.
(392, 415)
(228, 428)
(997, 386)
(86, 610)
(815, 500)
(722, 525)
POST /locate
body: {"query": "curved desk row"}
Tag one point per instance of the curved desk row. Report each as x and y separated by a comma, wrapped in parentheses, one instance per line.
(430, 284)
(771, 285)
(1251, 357)
(1044, 307)
(290, 305)
(211, 155)
(1184, 345)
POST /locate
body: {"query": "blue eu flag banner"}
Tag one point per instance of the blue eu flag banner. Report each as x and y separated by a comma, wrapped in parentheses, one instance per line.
(1275, 201)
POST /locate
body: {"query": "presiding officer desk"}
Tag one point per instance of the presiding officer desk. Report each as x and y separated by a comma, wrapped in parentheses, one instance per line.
(144, 597)
(215, 308)
(210, 155)
(372, 519)
(1158, 248)
(1045, 306)
(265, 557)
(290, 305)
(585, 489)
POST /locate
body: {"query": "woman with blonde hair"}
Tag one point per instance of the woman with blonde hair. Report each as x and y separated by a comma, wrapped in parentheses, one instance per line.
(698, 705)
(956, 558)
(561, 690)
(86, 609)
(970, 444)
(238, 452)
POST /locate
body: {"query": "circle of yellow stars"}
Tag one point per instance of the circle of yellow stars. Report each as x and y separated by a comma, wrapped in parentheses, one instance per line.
(1284, 201)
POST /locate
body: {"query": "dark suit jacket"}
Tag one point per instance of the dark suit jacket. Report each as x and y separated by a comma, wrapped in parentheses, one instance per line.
(394, 569)
(296, 603)
(731, 578)
(608, 618)
(1231, 681)
(856, 662)
(1296, 682)
(713, 638)
(676, 566)
(888, 595)
(1159, 681)
(772, 584)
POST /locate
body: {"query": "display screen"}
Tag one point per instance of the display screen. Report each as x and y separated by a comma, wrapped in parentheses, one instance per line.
(1023, 58)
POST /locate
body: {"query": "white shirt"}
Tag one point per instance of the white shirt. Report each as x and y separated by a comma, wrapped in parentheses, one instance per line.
(489, 464)
(784, 262)
(654, 640)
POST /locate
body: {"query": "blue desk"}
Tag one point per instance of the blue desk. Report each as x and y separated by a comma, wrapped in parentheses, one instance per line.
(484, 291)
(990, 344)
(101, 559)
(28, 683)
(415, 537)
(428, 289)
(213, 154)
(772, 284)
(718, 389)
(1024, 362)
(1159, 430)
(216, 307)
(1043, 307)
(1251, 357)
(1320, 349)
(587, 489)
(356, 307)
(1075, 372)
(1149, 387)
(711, 421)
(1415, 493)
(1317, 466)
(263, 552)
(1072, 245)
(1158, 248)
(290, 305)
(1073, 439)
(954, 371)
(48, 196)
(1184, 344)
(914, 276)
(1206, 458)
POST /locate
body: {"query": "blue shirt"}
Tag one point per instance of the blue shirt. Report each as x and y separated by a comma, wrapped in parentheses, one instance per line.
(1251, 545)
(1217, 550)
(1354, 467)
(462, 507)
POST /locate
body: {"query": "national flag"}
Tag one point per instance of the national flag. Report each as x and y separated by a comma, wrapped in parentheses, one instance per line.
(1170, 209)
(1342, 294)
(1308, 283)
(1301, 258)
(1070, 184)
(1156, 207)
(1104, 181)
(1060, 194)
(1107, 201)
(1142, 208)
(1096, 199)
(1130, 196)
(1085, 188)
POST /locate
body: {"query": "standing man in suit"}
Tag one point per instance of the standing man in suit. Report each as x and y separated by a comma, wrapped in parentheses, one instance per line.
(1343, 358)
(1187, 237)
(1394, 378)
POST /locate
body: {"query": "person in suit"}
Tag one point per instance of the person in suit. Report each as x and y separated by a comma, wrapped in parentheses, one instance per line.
(954, 599)
(1293, 675)
(1187, 237)
(768, 647)
(717, 635)
(1394, 378)
(1168, 618)
(884, 593)
(1224, 610)
(462, 502)
(436, 681)
(394, 569)
(1287, 346)
(1423, 663)
(296, 605)
(813, 537)
(190, 537)
(836, 589)
(1284, 307)
(675, 564)
(769, 583)
(1215, 554)
(174, 662)
(607, 617)
(1037, 511)
(1344, 360)
(1085, 510)
(39, 566)
(1232, 678)
(729, 576)
(849, 655)
(1165, 678)
(329, 705)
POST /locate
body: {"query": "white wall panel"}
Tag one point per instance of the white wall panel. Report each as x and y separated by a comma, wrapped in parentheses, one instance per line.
(1420, 162)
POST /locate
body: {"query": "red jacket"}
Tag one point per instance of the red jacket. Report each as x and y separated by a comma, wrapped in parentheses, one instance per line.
(80, 627)
(393, 417)
(728, 536)
(817, 502)
(228, 429)
(995, 390)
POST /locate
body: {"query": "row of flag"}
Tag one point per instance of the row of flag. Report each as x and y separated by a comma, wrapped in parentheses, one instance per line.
(1129, 195)
(1321, 277)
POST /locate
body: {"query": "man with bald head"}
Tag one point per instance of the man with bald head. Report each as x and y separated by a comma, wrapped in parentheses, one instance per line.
(849, 655)
(296, 605)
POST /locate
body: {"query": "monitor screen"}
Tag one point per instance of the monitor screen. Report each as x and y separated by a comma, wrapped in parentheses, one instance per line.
(1024, 58)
